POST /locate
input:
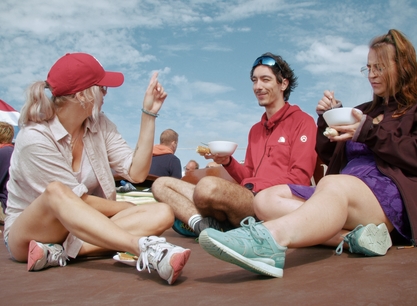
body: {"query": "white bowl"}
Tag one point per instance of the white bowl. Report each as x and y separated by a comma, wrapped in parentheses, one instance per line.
(340, 116)
(223, 148)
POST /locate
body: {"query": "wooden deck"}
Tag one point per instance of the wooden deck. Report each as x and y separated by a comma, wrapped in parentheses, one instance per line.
(312, 276)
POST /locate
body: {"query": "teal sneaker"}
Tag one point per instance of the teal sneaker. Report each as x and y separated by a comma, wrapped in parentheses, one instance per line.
(183, 229)
(369, 240)
(251, 247)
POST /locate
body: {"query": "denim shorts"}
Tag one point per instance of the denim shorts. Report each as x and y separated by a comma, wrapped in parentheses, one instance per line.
(7, 246)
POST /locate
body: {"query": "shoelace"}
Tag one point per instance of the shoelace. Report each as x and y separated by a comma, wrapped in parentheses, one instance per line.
(57, 255)
(346, 239)
(251, 222)
(146, 246)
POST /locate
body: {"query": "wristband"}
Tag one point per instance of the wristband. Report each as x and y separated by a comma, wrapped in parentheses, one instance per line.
(149, 113)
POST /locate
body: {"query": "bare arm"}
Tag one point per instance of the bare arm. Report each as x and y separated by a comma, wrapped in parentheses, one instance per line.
(142, 157)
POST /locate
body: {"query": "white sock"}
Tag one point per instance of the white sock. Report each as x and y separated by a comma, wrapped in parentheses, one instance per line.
(193, 220)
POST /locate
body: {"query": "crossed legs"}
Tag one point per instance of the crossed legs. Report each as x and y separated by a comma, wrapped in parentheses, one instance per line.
(58, 211)
(339, 204)
(212, 196)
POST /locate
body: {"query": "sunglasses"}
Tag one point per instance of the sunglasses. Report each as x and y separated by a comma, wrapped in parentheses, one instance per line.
(103, 90)
(266, 60)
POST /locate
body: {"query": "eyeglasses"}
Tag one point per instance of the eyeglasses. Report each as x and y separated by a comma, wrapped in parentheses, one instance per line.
(376, 69)
(266, 60)
(103, 89)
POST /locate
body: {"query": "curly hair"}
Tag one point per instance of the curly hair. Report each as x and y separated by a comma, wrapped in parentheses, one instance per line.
(6, 132)
(284, 73)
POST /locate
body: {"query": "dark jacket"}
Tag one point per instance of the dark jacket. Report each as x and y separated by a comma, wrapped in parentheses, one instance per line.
(394, 144)
(166, 165)
(5, 155)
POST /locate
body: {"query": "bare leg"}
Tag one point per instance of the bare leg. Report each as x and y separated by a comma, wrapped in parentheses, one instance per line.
(140, 221)
(277, 201)
(340, 202)
(221, 199)
(58, 211)
(177, 194)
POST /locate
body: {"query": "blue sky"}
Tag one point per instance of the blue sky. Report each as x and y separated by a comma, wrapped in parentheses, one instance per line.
(203, 50)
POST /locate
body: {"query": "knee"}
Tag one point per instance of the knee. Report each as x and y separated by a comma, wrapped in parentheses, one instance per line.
(260, 204)
(159, 185)
(165, 219)
(330, 183)
(56, 189)
(270, 198)
(205, 191)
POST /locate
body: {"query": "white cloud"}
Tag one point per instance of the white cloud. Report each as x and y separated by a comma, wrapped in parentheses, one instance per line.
(333, 55)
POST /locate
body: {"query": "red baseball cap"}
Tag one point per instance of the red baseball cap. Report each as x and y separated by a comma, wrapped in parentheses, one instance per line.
(75, 72)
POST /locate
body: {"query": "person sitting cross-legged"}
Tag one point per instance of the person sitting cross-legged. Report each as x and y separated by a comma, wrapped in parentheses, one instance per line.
(369, 188)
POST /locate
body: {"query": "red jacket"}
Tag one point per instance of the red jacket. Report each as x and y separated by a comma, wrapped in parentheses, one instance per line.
(280, 151)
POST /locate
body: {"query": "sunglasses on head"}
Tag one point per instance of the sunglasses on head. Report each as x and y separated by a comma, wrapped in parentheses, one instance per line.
(266, 60)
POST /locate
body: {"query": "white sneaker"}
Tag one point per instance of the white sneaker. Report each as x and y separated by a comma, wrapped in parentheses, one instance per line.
(164, 257)
(369, 240)
(42, 256)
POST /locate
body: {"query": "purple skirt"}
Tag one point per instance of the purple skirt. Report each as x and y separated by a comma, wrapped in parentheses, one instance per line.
(361, 164)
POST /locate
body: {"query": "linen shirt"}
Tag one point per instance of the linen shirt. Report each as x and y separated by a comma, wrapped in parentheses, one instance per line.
(43, 155)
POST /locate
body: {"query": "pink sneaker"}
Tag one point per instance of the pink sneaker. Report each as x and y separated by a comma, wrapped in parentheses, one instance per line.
(164, 257)
(42, 256)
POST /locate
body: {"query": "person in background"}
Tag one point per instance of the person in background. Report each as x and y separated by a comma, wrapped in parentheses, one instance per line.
(191, 166)
(164, 162)
(62, 195)
(369, 189)
(280, 151)
(213, 164)
(6, 150)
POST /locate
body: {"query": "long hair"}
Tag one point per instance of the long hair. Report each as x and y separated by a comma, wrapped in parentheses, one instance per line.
(402, 88)
(39, 107)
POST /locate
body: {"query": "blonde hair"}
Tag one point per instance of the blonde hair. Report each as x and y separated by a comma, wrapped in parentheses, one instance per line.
(6, 132)
(39, 107)
(168, 136)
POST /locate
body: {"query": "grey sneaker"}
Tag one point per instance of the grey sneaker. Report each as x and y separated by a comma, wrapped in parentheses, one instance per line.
(251, 247)
(42, 256)
(369, 240)
(164, 257)
(210, 222)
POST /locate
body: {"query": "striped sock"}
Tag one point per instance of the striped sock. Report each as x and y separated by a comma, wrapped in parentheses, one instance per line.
(194, 220)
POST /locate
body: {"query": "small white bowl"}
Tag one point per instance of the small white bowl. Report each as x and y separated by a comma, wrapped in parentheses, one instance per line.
(223, 148)
(340, 116)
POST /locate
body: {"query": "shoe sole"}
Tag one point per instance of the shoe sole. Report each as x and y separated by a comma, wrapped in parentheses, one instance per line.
(177, 262)
(375, 239)
(224, 253)
(185, 232)
(35, 254)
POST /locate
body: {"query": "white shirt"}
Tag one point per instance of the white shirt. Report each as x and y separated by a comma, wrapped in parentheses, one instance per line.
(43, 155)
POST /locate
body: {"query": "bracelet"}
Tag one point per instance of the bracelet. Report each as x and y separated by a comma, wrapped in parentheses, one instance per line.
(149, 113)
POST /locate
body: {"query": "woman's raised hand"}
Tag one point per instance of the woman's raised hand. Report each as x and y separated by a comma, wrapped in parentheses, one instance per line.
(154, 95)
